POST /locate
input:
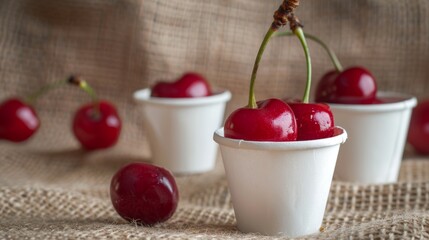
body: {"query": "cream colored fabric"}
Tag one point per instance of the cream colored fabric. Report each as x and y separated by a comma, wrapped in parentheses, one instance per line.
(50, 189)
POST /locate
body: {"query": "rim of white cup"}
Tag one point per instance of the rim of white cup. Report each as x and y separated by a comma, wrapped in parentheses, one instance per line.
(407, 101)
(339, 137)
(143, 95)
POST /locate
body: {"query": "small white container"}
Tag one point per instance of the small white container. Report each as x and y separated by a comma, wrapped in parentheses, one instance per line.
(280, 188)
(180, 130)
(377, 135)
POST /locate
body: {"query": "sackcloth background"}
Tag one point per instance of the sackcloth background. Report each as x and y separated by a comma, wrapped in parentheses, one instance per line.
(50, 189)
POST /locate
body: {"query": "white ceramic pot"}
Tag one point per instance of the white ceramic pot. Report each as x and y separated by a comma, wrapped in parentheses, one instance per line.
(180, 130)
(280, 188)
(377, 135)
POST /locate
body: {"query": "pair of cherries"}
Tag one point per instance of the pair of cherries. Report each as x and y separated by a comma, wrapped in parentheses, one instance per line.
(189, 85)
(144, 193)
(357, 86)
(95, 125)
(275, 120)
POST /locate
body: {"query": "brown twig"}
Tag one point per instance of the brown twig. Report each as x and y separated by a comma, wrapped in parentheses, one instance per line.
(285, 14)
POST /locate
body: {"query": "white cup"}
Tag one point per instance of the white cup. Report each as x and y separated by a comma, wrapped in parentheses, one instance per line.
(377, 135)
(180, 130)
(280, 188)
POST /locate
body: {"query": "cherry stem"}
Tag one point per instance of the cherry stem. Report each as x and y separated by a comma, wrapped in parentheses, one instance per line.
(43, 90)
(252, 98)
(332, 55)
(81, 83)
(300, 34)
(78, 81)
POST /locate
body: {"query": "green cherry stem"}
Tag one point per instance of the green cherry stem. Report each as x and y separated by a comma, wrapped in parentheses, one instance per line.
(31, 99)
(300, 34)
(78, 81)
(332, 55)
(252, 98)
(71, 80)
(82, 84)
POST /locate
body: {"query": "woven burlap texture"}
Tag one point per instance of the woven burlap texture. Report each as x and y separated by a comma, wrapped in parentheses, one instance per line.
(50, 189)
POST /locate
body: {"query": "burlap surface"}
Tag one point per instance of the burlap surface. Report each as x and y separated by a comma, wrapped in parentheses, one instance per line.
(50, 189)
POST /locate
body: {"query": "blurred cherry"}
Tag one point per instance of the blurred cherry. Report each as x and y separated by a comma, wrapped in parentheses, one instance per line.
(18, 121)
(97, 125)
(418, 134)
(355, 85)
(188, 86)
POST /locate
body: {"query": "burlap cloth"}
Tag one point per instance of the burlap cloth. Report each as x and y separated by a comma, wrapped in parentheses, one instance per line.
(50, 189)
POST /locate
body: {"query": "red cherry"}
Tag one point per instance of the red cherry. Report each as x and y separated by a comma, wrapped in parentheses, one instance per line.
(18, 121)
(418, 134)
(325, 89)
(97, 125)
(355, 85)
(314, 121)
(273, 120)
(188, 86)
(144, 193)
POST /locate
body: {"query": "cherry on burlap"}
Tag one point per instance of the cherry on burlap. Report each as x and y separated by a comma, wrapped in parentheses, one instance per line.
(49, 189)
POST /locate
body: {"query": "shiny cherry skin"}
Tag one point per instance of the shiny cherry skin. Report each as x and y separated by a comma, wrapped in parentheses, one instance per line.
(190, 85)
(326, 88)
(418, 133)
(355, 85)
(273, 120)
(144, 193)
(97, 125)
(314, 121)
(18, 121)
